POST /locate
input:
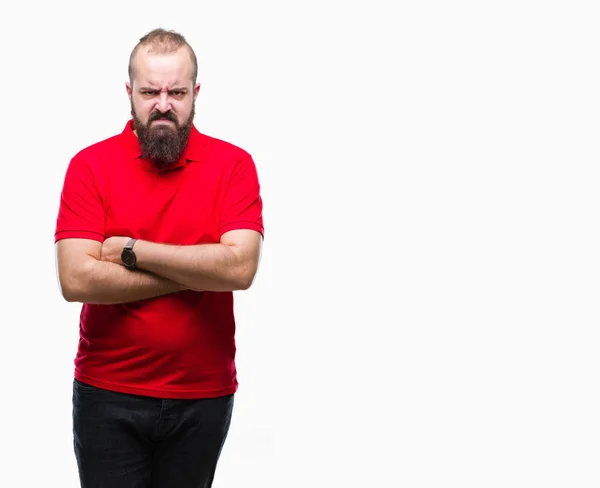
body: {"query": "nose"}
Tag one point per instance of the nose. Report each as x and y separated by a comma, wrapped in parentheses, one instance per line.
(163, 103)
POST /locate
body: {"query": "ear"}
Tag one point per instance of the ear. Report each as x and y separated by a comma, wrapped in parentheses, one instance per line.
(129, 89)
(196, 90)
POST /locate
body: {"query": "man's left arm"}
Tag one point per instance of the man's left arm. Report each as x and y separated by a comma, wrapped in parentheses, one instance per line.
(227, 266)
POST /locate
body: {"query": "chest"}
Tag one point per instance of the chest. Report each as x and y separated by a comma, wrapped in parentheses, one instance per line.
(181, 206)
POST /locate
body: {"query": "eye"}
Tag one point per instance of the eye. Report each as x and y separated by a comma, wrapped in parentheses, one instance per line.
(149, 93)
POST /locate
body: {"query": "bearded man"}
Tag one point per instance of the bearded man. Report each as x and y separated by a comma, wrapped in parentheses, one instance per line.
(157, 227)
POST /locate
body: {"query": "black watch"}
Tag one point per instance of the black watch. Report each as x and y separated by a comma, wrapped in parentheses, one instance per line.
(128, 256)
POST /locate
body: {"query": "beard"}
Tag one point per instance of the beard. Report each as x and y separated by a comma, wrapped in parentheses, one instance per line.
(162, 144)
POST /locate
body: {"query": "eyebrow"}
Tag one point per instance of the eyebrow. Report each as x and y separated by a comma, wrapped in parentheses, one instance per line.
(180, 88)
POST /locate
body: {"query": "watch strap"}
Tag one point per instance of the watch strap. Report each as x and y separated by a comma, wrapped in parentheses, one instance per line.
(130, 243)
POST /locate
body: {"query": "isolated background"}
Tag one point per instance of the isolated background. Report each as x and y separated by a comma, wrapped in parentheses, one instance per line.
(426, 311)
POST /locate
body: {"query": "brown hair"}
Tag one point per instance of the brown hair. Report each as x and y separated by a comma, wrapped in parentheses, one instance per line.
(163, 41)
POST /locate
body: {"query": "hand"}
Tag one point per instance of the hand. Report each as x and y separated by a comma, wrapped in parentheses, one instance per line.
(112, 248)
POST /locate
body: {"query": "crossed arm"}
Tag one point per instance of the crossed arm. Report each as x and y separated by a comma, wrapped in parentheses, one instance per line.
(91, 272)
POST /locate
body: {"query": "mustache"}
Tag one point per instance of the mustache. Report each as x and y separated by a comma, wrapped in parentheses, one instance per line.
(162, 116)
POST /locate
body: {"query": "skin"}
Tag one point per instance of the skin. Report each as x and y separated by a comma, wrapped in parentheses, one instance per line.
(92, 272)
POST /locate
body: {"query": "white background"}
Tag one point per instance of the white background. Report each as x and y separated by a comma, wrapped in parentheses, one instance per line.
(426, 311)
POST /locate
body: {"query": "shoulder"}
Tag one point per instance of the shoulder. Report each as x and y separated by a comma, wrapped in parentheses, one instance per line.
(93, 163)
(98, 150)
(221, 149)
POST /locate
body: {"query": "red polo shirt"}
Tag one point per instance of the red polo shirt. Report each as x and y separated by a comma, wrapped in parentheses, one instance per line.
(175, 346)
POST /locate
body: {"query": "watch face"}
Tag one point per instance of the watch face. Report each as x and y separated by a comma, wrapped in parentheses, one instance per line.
(128, 257)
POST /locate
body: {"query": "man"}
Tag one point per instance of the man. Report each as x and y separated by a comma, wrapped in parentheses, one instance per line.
(157, 226)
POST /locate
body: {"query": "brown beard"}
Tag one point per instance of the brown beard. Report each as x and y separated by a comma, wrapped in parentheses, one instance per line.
(162, 144)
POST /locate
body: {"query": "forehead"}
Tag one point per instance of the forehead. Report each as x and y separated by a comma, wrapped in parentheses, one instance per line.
(162, 68)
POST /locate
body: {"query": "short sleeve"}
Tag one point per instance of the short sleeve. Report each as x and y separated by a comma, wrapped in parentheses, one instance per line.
(81, 211)
(242, 205)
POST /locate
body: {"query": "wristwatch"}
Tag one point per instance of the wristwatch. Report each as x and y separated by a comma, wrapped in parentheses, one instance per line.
(128, 256)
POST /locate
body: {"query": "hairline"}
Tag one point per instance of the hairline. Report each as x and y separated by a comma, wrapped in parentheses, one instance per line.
(152, 44)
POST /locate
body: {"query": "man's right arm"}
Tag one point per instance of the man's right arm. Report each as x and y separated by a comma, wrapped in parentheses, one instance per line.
(84, 278)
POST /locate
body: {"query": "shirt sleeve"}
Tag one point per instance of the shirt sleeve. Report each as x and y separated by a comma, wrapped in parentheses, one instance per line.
(81, 210)
(242, 204)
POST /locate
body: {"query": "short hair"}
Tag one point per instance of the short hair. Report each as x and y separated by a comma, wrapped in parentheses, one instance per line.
(163, 41)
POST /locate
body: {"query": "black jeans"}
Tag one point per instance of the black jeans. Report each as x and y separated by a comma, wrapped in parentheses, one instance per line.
(132, 441)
